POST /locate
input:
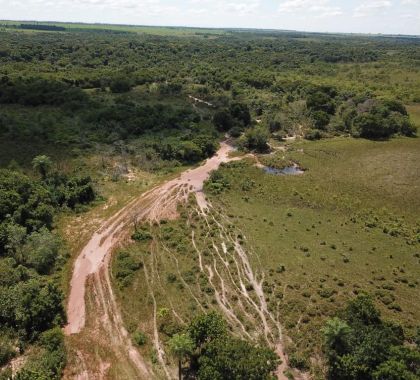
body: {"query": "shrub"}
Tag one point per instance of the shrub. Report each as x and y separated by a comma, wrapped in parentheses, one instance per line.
(139, 338)
(299, 362)
(120, 85)
(141, 235)
(126, 267)
(256, 139)
(7, 352)
(313, 134)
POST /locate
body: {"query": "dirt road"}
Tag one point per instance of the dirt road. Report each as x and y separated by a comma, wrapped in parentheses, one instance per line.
(91, 279)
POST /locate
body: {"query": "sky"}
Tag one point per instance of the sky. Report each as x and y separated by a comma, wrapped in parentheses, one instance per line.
(350, 16)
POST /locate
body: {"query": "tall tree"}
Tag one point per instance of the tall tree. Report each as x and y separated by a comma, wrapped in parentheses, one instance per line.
(181, 345)
(43, 164)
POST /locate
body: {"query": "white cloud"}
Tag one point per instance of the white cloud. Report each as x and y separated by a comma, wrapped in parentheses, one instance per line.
(321, 8)
(242, 7)
(369, 7)
(410, 2)
(230, 7)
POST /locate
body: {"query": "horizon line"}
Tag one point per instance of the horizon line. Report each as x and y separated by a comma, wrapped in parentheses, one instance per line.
(371, 34)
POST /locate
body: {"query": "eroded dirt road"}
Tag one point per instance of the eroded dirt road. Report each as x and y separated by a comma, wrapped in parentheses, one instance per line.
(100, 345)
(99, 327)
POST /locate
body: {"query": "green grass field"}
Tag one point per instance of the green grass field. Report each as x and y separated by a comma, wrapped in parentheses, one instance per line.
(348, 225)
(178, 31)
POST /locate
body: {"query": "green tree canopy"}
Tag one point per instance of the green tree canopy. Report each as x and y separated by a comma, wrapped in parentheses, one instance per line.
(181, 345)
(43, 164)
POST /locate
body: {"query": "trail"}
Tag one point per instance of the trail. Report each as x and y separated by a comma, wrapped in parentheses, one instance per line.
(91, 278)
(94, 317)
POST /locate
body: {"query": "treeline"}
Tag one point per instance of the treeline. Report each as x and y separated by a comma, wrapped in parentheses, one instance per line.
(243, 59)
(37, 91)
(31, 302)
(64, 114)
(322, 111)
(50, 28)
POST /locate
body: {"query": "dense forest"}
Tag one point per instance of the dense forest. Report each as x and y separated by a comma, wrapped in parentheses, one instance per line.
(166, 101)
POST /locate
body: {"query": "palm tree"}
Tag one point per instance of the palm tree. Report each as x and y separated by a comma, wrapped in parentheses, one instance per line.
(181, 345)
(42, 164)
(335, 334)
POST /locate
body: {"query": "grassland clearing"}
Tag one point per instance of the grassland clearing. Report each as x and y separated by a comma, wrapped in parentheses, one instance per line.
(348, 225)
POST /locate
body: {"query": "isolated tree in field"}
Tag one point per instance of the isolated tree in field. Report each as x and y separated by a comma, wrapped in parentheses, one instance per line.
(181, 345)
(43, 164)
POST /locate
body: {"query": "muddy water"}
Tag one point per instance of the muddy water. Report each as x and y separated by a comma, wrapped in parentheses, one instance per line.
(288, 170)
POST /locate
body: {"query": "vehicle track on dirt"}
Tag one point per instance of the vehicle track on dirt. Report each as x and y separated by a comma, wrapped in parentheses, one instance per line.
(94, 316)
(101, 324)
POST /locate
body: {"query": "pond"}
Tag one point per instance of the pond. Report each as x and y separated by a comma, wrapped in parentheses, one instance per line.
(288, 170)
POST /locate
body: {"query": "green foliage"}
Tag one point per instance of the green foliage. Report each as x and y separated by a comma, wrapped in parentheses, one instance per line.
(256, 138)
(27, 206)
(7, 350)
(393, 370)
(223, 120)
(43, 164)
(240, 112)
(126, 267)
(120, 85)
(207, 327)
(181, 345)
(30, 303)
(141, 235)
(234, 359)
(363, 346)
(41, 251)
(336, 333)
(139, 338)
(379, 119)
(214, 354)
(37, 92)
(48, 360)
(217, 182)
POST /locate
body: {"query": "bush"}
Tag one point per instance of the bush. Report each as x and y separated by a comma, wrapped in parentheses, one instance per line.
(120, 85)
(7, 352)
(313, 134)
(141, 235)
(321, 119)
(217, 182)
(256, 139)
(126, 267)
(41, 251)
(240, 112)
(139, 338)
(223, 120)
(299, 362)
